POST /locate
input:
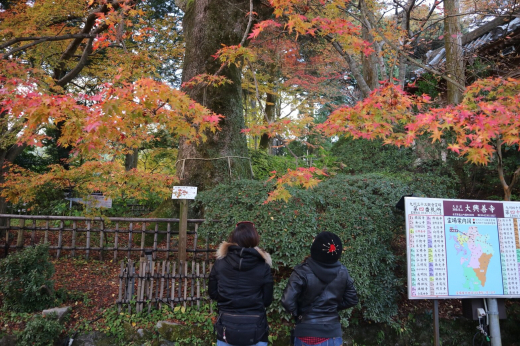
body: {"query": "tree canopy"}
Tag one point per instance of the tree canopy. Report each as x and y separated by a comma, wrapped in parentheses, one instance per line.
(99, 79)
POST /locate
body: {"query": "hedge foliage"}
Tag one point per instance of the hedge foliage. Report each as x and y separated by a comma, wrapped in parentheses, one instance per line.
(360, 209)
(40, 331)
(25, 279)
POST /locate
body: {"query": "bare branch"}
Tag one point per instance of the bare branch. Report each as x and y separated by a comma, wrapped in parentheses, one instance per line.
(76, 70)
(38, 40)
(249, 23)
(365, 89)
(401, 52)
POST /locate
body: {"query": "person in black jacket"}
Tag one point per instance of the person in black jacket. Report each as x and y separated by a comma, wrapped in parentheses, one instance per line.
(242, 284)
(317, 289)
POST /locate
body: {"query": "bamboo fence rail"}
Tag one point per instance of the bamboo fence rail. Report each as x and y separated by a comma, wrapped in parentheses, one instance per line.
(122, 237)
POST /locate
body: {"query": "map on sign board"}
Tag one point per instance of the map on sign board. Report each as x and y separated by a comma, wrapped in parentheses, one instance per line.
(184, 192)
(462, 248)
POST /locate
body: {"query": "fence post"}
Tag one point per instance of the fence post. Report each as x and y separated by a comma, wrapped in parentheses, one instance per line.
(183, 228)
(74, 230)
(101, 240)
(143, 236)
(88, 240)
(33, 233)
(60, 239)
(19, 241)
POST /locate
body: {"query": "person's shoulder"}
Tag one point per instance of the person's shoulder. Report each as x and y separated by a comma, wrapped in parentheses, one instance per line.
(345, 272)
(302, 268)
(343, 268)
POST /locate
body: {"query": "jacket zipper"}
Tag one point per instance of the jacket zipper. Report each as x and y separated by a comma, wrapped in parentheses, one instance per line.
(228, 314)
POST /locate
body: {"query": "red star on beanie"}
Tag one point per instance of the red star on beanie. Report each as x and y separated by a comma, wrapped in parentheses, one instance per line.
(326, 248)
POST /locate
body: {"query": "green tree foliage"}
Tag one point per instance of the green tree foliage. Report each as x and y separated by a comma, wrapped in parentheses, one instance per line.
(360, 209)
(25, 279)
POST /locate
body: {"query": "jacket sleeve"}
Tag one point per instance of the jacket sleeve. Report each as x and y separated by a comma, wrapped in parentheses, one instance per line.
(213, 284)
(295, 286)
(350, 297)
(267, 288)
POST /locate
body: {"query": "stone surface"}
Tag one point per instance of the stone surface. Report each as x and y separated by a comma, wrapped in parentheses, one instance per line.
(8, 340)
(60, 312)
(93, 339)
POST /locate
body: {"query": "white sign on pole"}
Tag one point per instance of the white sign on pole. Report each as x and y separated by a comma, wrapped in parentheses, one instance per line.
(184, 192)
(462, 248)
(94, 201)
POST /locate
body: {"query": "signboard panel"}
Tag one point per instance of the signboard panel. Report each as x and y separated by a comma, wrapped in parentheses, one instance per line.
(184, 192)
(95, 201)
(462, 248)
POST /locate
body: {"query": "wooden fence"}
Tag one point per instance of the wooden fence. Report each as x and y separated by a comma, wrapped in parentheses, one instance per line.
(149, 283)
(118, 237)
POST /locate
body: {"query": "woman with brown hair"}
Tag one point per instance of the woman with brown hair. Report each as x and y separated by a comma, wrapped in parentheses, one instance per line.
(242, 284)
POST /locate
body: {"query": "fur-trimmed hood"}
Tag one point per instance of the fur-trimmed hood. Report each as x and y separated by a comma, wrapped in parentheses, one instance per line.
(225, 248)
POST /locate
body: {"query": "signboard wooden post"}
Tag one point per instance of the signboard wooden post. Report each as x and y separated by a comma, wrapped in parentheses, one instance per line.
(183, 193)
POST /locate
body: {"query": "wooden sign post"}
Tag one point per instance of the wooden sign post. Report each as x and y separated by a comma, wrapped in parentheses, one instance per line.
(183, 194)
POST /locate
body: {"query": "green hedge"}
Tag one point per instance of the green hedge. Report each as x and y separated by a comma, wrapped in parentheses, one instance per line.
(360, 209)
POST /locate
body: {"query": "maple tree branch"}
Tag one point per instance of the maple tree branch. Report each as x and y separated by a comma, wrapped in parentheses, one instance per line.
(365, 89)
(89, 24)
(500, 167)
(258, 93)
(249, 23)
(14, 151)
(370, 18)
(43, 39)
(516, 175)
(76, 70)
(419, 31)
(37, 40)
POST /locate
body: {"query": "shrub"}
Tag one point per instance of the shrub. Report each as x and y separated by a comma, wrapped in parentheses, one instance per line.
(40, 331)
(360, 209)
(25, 279)
(263, 163)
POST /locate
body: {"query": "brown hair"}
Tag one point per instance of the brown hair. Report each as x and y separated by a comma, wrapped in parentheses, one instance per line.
(245, 235)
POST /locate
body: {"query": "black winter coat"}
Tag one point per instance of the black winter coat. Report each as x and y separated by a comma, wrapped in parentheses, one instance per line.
(315, 293)
(241, 280)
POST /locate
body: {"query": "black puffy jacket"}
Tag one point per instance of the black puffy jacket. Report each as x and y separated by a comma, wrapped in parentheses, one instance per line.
(241, 281)
(315, 293)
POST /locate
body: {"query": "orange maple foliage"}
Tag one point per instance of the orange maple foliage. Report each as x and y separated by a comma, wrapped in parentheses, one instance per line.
(120, 117)
(110, 178)
(489, 112)
(477, 129)
(303, 177)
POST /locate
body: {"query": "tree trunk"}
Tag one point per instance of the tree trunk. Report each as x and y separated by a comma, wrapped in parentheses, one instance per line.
(507, 187)
(370, 62)
(131, 160)
(270, 109)
(405, 27)
(207, 25)
(7, 156)
(454, 54)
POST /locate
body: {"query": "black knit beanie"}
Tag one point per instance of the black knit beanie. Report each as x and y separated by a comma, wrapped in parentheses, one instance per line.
(326, 248)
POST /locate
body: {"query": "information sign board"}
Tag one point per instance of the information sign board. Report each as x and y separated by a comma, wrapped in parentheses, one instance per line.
(94, 200)
(462, 248)
(184, 192)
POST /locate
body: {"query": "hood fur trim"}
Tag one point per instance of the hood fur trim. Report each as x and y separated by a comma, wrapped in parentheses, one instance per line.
(224, 247)
(265, 255)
